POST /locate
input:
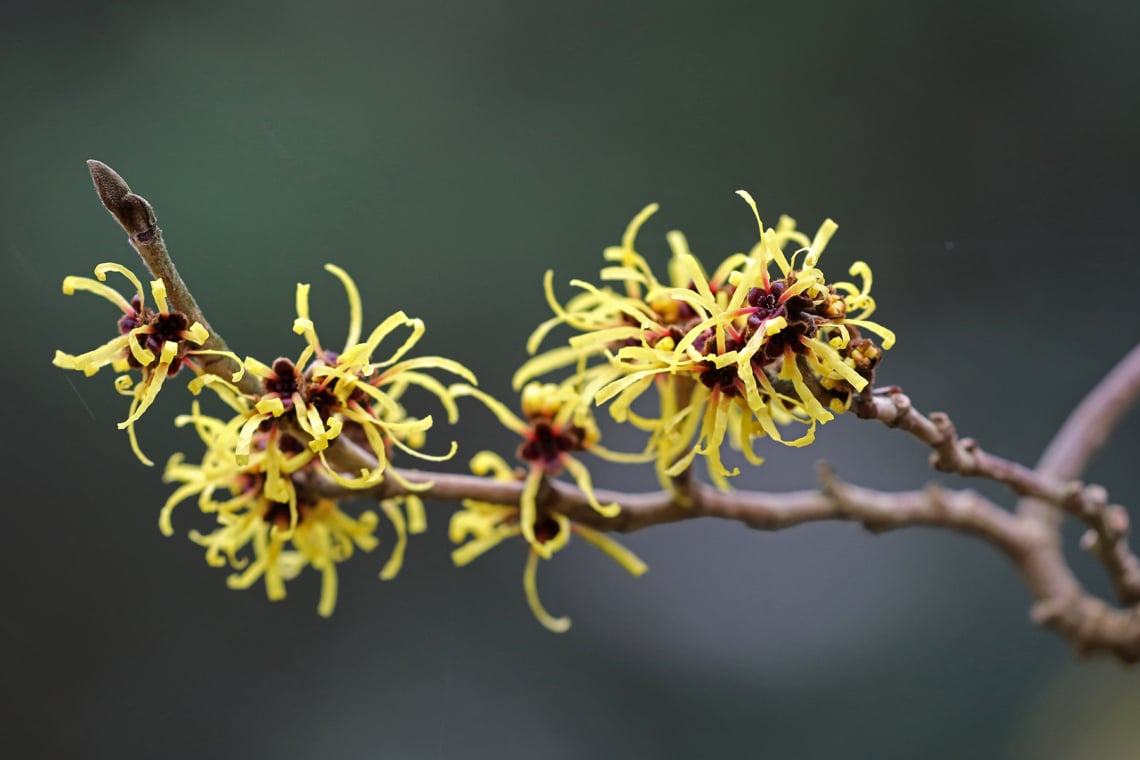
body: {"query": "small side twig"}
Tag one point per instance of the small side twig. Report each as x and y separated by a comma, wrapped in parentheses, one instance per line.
(1091, 423)
(1108, 525)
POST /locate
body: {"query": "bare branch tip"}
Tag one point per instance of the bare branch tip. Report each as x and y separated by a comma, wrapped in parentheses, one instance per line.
(132, 212)
(111, 187)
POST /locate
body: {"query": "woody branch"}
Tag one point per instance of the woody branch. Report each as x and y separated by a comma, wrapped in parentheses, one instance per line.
(1028, 537)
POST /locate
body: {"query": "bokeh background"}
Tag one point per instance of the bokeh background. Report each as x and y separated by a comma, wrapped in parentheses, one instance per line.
(983, 157)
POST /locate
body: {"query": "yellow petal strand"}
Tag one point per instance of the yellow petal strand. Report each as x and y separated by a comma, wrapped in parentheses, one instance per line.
(431, 362)
(72, 283)
(747, 433)
(256, 368)
(822, 236)
(714, 439)
(726, 267)
(143, 355)
(90, 362)
(631, 231)
(132, 438)
(388, 405)
(367, 479)
(530, 586)
(833, 361)
(327, 604)
(528, 504)
(165, 526)
(154, 385)
(158, 290)
(235, 376)
(355, 311)
(271, 406)
(616, 387)
(679, 245)
(597, 339)
(561, 537)
(534, 340)
(551, 301)
(806, 397)
(619, 409)
(303, 324)
(754, 275)
(556, 358)
(582, 478)
(696, 274)
(624, 306)
(765, 419)
(489, 462)
(109, 266)
(245, 438)
(478, 547)
(396, 517)
(417, 517)
(686, 342)
(888, 336)
(683, 463)
(437, 389)
(769, 250)
(623, 274)
(612, 549)
(505, 415)
(626, 457)
(198, 334)
(861, 270)
(387, 326)
(427, 457)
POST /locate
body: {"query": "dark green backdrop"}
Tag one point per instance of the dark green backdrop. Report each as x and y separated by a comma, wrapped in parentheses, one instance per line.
(983, 158)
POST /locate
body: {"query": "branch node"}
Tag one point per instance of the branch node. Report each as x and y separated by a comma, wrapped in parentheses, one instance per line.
(1090, 541)
(1048, 611)
(828, 480)
(1116, 520)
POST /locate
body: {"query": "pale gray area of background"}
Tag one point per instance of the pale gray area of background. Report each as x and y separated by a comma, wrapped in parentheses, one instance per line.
(981, 156)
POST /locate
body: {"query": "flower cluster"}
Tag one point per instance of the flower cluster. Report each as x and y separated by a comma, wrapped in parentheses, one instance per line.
(481, 526)
(155, 342)
(558, 425)
(267, 506)
(737, 355)
(266, 468)
(324, 395)
(763, 343)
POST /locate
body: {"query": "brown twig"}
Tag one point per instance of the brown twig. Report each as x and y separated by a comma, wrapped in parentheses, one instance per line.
(1084, 432)
(1030, 542)
(136, 216)
(1062, 603)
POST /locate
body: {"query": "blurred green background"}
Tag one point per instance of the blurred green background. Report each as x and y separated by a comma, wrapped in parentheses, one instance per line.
(982, 157)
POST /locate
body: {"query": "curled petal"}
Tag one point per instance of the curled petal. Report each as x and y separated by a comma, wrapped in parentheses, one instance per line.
(355, 311)
(396, 517)
(530, 586)
(613, 550)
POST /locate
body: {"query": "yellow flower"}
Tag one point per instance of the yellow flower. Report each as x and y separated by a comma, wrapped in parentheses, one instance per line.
(557, 425)
(480, 526)
(329, 393)
(324, 537)
(266, 474)
(259, 511)
(736, 355)
(154, 341)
